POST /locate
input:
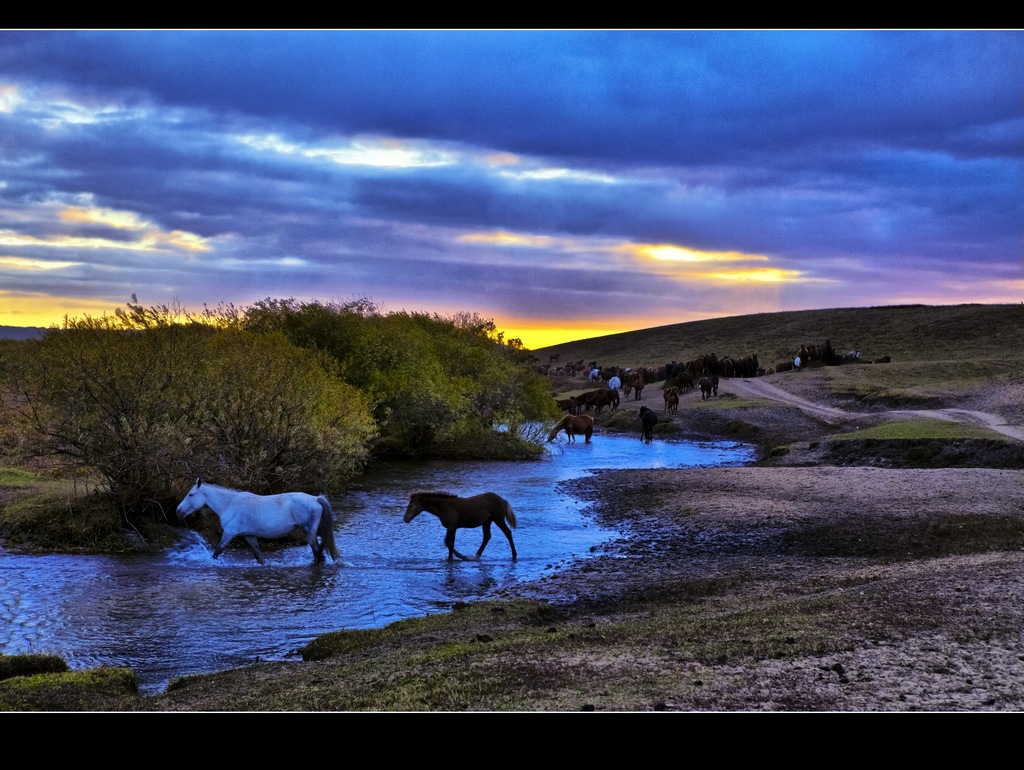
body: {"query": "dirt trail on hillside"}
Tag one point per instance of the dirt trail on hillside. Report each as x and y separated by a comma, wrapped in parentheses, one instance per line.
(760, 388)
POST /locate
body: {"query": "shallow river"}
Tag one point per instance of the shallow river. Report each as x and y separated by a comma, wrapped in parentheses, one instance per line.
(182, 612)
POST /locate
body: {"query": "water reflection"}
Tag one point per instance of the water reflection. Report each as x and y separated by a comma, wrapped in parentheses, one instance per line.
(184, 612)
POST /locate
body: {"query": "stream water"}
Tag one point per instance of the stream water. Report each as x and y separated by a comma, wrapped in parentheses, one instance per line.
(182, 612)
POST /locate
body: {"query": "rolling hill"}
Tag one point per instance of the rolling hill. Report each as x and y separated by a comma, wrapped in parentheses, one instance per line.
(904, 332)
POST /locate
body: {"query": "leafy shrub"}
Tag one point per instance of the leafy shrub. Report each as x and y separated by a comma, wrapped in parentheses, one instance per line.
(146, 400)
(432, 381)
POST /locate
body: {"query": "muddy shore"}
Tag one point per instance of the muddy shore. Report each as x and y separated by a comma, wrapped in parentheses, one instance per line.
(933, 620)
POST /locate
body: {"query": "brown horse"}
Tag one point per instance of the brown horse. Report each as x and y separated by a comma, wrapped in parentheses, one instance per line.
(638, 386)
(455, 512)
(599, 399)
(572, 425)
(671, 400)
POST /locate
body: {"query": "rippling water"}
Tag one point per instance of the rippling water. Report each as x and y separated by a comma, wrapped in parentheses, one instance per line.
(182, 612)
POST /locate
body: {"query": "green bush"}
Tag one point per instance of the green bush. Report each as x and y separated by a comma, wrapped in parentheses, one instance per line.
(282, 396)
(432, 381)
(147, 400)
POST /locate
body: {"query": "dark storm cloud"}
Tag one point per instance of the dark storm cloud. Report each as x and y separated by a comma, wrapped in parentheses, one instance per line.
(220, 164)
(658, 97)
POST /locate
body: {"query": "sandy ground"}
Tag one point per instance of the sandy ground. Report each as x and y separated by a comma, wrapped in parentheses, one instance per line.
(931, 626)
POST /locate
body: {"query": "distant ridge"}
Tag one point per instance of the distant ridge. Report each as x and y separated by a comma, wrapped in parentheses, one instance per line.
(20, 332)
(904, 332)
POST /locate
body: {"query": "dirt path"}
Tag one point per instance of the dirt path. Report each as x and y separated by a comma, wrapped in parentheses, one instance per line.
(760, 388)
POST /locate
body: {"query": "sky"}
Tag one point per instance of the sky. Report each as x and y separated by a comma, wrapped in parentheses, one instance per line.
(565, 184)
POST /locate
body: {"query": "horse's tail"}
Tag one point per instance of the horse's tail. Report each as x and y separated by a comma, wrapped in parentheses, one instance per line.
(510, 515)
(326, 528)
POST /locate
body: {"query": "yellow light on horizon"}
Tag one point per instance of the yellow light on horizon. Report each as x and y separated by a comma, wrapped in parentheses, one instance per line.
(535, 337)
(46, 311)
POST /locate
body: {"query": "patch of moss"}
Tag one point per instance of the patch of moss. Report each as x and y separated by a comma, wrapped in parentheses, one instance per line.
(96, 689)
(924, 428)
(26, 665)
(15, 478)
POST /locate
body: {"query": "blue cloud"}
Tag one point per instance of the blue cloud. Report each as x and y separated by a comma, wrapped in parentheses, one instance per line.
(412, 167)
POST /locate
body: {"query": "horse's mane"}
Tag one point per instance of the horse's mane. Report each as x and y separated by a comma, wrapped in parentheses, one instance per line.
(430, 493)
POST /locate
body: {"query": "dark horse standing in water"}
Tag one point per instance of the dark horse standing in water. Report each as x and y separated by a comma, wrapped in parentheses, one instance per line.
(454, 512)
(648, 419)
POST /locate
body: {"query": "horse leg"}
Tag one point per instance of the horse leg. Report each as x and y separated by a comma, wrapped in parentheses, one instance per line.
(508, 533)
(315, 546)
(487, 537)
(225, 538)
(254, 545)
(449, 540)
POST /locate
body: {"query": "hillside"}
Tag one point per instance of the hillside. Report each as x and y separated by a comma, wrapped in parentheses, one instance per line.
(20, 332)
(904, 332)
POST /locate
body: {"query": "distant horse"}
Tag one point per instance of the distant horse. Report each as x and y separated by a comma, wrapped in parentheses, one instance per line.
(252, 516)
(599, 399)
(455, 512)
(648, 418)
(638, 386)
(671, 400)
(683, 382)
(566, 404)
(573, 425)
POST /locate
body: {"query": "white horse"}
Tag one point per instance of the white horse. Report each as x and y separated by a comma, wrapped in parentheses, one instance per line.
(253, 516)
